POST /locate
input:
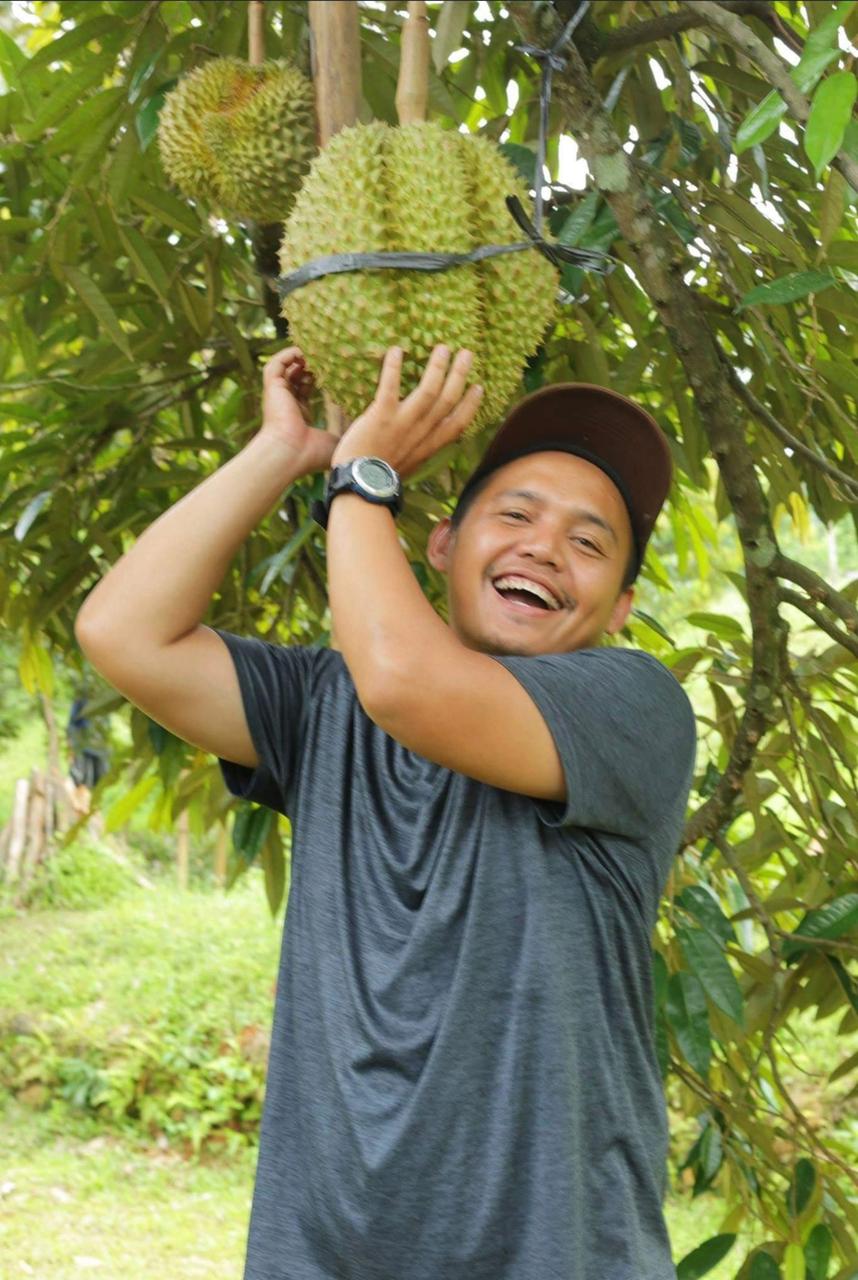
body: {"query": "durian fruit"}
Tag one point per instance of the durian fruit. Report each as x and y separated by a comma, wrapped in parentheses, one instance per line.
(423, 188)
(240, 137)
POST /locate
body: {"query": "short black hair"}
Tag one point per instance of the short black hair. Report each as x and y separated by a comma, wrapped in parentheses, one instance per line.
(470, 494)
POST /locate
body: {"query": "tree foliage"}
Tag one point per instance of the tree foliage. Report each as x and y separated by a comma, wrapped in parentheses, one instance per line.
(721, 151)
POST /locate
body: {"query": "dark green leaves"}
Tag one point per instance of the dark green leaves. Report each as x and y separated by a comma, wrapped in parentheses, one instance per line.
(705, 958)
(706, 1256)
(831, 921)
(689, 1020)
(798, 284)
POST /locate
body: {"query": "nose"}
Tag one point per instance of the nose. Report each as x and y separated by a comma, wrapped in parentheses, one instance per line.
(541, 540)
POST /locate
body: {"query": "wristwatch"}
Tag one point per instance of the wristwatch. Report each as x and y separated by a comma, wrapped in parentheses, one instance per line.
(372, 478)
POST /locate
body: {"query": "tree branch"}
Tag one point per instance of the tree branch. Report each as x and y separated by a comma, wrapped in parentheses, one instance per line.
(818, 589)
(658, 264)
(806, 606)
(769, 420)
(738, 33)
(669, 24)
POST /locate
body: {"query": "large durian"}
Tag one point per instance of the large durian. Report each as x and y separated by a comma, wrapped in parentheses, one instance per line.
(423, 188)
(240, 137)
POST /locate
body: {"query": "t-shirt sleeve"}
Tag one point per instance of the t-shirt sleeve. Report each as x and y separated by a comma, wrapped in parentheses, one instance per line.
(275, 683)
(625, 733)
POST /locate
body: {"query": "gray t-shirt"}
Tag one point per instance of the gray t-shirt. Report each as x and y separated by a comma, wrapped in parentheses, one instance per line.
(463, 1083)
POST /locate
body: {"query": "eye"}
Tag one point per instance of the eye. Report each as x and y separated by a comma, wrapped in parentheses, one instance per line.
(514, 513)
(588, 543)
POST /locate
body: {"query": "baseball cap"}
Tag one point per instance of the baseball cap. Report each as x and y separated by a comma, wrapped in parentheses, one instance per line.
(601, 426)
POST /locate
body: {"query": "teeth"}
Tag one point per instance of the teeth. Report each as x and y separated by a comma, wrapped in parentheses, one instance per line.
(525, 584)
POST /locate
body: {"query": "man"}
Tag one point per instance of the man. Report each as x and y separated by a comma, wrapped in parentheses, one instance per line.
(462, 1082)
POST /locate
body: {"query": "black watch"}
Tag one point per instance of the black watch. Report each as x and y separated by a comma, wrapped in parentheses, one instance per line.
(373, 478)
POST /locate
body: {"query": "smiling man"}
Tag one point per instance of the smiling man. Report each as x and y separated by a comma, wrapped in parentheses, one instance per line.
(463, 1083)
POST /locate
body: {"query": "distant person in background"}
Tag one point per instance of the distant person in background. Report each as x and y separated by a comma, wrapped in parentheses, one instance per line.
(90, 760)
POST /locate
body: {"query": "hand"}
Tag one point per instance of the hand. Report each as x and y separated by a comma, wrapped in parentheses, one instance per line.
(405, 433)
(287, 384)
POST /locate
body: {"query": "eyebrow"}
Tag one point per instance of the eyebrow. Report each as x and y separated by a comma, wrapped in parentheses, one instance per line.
(578, 513)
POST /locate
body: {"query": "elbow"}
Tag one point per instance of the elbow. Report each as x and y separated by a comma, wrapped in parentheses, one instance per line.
(380, 693)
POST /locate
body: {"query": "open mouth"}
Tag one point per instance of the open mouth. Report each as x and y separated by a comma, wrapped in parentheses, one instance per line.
(525, 602)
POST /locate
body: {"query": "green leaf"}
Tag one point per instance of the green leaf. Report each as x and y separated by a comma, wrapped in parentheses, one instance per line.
(79, 122)
(128, 803)
(689, 1019)
(817, 1252)
(820, 50)
(523, 158)
(831, 921)
(764, 1267)
(89, 292)
(719, 624)
(580, 219)
(793, 1262)
(274, 869)
(449, 29)
(58, 49)
(707, 961)
(706, 1256)
(760, 121)
(701, 903)
(146, 261)
(68, 90)
(801, 1187)
(820, 47)
(797, 284)
(167, 209)
(146, 120)
(830, 112)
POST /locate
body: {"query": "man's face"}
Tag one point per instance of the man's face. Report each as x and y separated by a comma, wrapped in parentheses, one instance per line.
(572, 534)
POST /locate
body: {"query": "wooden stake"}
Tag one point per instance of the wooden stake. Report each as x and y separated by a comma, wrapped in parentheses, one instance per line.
(221, 849)
(412, 89)
(19, 829)
(256, 32)
(183, 849)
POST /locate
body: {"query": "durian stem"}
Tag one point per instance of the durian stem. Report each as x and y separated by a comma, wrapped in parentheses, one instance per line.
(256, 32)
(412, 89)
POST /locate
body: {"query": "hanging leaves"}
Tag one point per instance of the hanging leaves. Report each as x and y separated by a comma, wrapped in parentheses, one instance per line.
(830, 113)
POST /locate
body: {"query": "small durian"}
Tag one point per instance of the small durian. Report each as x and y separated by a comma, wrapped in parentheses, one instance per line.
(240, 137)
(424, 188)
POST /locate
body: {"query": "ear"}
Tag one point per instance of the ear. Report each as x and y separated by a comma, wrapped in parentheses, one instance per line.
(620, 611)
(439, 545)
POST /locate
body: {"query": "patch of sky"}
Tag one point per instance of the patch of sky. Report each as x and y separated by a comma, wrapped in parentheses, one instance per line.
(512, 95)
(786, 131)
(766, 206)
(571, 168)
(458, 55)
(661, 80)
(788, 54)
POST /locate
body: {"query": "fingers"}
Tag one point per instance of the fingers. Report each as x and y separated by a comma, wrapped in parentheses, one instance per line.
(387, 391)
(439, 391)
(464, 413)
(288, 361)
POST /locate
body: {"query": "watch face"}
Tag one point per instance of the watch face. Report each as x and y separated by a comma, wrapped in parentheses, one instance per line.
(375, 475)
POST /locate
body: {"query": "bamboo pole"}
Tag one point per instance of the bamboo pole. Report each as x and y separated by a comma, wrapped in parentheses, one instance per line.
(412, 88)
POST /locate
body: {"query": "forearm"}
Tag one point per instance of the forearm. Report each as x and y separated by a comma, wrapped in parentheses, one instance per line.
(161, 588)
(385, 626)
